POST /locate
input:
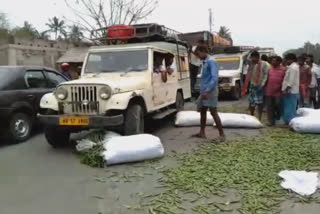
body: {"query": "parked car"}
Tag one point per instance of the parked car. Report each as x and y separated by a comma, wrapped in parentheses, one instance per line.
(21, 88)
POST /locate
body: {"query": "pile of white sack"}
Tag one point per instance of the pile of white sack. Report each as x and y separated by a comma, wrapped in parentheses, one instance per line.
(229, 120)
(125, 149)
(308, 121)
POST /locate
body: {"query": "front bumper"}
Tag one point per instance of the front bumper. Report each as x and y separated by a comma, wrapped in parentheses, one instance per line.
(94, 121)
(225, 88)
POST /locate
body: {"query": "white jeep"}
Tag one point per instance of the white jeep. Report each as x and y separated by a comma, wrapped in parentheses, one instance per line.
(119, 86)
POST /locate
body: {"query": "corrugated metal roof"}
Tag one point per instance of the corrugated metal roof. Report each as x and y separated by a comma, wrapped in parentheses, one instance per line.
(76, 55)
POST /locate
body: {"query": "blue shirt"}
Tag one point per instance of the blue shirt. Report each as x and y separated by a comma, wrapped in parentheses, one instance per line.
(209, 77)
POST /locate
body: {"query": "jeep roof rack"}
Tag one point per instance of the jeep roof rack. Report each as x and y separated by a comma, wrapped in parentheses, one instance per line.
(140, 33)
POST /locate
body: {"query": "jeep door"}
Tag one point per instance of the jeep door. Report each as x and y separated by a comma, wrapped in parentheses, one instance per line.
(160, 87)
(172, 77)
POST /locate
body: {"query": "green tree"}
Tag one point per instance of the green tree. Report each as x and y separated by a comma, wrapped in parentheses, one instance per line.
(4, 22)
(43, 35)
(75, 35)
(224, 32)
(25, 32)
(4, 26)
(307, 48)
(58, 27)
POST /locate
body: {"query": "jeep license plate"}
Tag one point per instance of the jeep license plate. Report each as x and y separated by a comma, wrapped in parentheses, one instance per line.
(74, 121)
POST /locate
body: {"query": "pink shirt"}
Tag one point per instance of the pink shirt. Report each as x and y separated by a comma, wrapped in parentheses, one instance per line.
(275, 79)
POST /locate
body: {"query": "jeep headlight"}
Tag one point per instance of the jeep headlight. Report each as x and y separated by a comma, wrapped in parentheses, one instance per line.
(61, 93)
(105, 92)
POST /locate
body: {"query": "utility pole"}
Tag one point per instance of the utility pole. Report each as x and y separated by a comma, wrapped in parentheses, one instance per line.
(210, 20)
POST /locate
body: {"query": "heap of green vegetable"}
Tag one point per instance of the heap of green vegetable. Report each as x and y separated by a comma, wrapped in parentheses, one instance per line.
(93, 156)
(248, 165)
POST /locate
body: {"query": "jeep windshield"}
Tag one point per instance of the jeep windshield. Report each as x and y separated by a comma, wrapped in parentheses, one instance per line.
(117, 61)
(227, 64)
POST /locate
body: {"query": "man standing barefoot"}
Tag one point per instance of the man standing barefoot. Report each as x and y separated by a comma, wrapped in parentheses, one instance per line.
(208, 92)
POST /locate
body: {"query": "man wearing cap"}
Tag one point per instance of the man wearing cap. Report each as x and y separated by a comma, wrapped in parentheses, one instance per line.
(65, 70)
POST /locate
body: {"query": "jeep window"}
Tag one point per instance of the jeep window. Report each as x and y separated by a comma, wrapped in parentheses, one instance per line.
(183, 63)
(121, 61)
(36, 79)
(158, 62)
(228, 63)
(54, 79)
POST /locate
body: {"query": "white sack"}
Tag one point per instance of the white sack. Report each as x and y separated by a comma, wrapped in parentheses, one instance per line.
(108, 136)
(309, 124)
(301, 182)
(307, 112)
(230, 120)
(132, 149)
(191, 118)
(84, 145)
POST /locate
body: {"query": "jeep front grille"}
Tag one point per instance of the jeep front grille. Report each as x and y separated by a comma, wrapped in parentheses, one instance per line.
(84, 99)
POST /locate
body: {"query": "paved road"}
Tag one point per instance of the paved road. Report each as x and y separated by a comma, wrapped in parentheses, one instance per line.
(36, 179)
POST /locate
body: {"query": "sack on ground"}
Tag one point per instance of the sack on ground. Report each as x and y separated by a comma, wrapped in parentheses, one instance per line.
(108, 136)
(309, 124)
(84, 145)
(132, 149)
(191, 118)
(302, 112)
(231, 120)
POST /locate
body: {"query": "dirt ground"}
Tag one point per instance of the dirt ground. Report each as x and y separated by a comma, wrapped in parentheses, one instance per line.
(37, 179)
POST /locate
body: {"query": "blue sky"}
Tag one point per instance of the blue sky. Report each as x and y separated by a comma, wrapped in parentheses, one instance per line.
(281, 24)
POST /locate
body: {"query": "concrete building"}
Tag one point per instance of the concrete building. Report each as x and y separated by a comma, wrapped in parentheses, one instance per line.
(36, 52)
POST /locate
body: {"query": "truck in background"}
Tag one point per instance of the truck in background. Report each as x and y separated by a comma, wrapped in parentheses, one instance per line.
(213, 41)
(266, 51)
(232, 66)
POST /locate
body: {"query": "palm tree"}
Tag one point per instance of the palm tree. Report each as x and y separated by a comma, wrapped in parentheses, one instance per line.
(75, 34)
(57, 27)
(224, 32)
(43, 35)
(29, 28)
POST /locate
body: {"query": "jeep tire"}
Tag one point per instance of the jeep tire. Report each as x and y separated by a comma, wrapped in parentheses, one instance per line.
(236, 91)
(179, 101)
(56, 136)
(134, 120)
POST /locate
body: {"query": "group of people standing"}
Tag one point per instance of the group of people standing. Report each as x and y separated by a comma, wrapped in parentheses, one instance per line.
(281, 85)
